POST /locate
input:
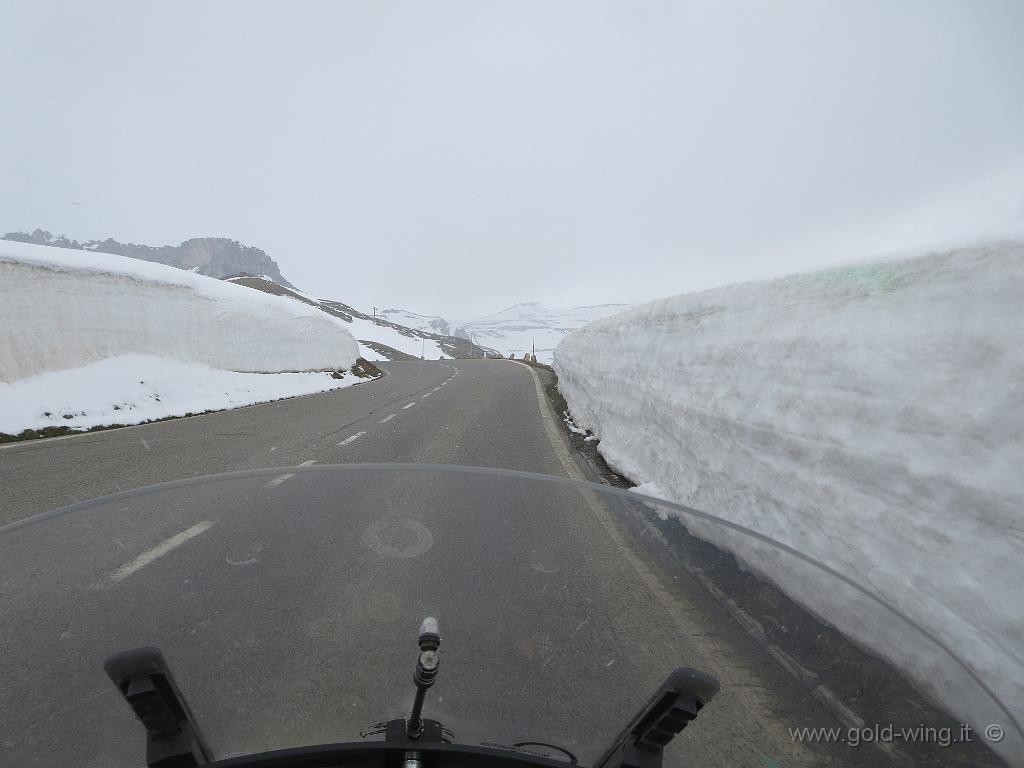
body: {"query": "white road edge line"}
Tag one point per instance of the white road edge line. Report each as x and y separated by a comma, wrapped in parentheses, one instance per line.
(159, 550)
(410, 405)
(352, 438)
(387, 418)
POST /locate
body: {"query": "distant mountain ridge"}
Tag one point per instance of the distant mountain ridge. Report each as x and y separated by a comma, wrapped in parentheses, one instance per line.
(218, 257)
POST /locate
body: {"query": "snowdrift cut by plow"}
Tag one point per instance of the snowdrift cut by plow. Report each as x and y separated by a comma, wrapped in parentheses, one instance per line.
(92, 339)
(869, 415)
(65, 309)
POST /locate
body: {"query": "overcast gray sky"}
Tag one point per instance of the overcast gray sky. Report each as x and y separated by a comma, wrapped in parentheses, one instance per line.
(455, 158)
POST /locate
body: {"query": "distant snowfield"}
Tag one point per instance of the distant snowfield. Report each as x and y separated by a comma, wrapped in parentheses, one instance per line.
(131, 389)
(870, 416)
(428, 323)
(519, 328)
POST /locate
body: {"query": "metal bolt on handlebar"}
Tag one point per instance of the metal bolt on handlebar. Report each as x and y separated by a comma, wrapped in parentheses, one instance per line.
(430, 636)
(425, 674)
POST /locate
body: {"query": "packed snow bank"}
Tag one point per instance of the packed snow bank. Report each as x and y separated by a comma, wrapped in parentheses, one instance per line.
(131, 389)
(64, 309)
(870, 416)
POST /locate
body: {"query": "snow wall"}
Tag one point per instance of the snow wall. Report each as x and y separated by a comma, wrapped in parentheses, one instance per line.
(63, 309)
(871, 416)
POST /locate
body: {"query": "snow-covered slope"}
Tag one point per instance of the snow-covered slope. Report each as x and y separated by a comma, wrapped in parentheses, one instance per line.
(515, 330)
(370, 333)
(379, 338)
(871, 416)
(429, 323)
(65, 310)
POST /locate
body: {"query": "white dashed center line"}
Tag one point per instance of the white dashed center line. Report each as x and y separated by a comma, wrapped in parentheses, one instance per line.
(410, 405)
(278, 480)
(387, 418)
(427, 395)
(159, 550)
(352, 438)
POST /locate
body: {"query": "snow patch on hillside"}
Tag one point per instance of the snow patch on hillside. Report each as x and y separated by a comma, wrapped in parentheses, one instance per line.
(428, 323)
(871, 416)
(367, 330)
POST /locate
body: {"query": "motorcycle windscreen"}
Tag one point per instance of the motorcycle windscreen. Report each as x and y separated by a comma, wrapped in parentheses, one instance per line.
(287, 604)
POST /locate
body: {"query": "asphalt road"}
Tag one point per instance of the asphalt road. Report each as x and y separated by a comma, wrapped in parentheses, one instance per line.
(482, 416)
(288, 601)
